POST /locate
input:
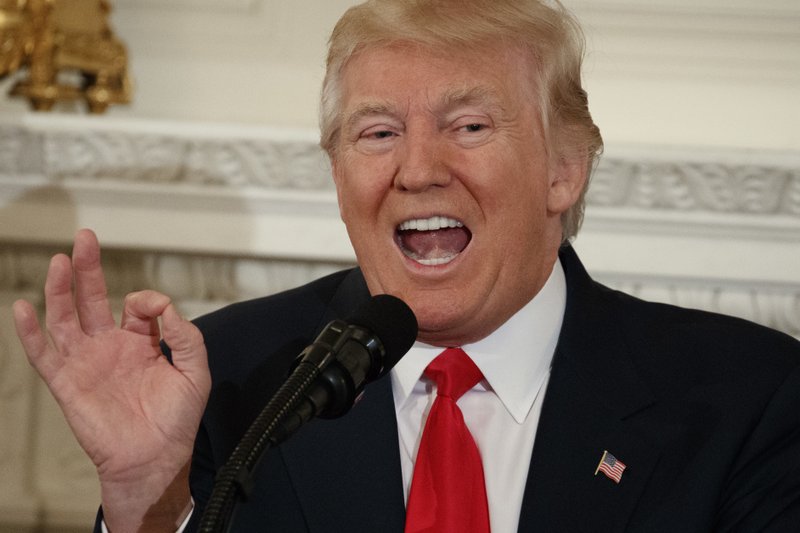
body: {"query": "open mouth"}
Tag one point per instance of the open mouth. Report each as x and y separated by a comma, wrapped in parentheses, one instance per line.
(432, 241)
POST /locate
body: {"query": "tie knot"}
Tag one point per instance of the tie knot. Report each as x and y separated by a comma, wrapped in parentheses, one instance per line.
(454, 373)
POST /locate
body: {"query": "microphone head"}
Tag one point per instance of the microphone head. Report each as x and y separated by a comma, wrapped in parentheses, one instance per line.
(391, 321)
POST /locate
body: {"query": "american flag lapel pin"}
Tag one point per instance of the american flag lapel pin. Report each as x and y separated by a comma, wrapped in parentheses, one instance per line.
(611, 467)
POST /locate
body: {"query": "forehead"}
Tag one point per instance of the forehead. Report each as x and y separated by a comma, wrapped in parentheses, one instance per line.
(406, 74)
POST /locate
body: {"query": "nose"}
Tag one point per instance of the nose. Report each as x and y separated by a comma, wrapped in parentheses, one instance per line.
(420, 164)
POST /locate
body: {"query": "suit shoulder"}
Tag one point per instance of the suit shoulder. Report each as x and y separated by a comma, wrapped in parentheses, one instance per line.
(700, 339)
(249, 329)
(284, 306)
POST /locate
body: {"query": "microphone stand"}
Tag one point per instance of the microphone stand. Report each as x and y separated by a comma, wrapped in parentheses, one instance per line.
(330, 374)
(234, 478)
(305, 394)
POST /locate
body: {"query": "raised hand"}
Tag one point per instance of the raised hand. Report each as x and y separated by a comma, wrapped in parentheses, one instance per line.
(134, 413)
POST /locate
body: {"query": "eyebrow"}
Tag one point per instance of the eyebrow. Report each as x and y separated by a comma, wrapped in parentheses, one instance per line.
(452, 99)
(367, 109)
(467, 96)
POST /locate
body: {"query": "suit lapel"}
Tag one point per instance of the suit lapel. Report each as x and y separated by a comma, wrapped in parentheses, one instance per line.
(592, 396)
(563, 493)
(593, 392)
(358, 453)
(362, 463)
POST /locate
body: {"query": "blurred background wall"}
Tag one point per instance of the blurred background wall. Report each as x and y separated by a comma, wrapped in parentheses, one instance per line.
(210, 186)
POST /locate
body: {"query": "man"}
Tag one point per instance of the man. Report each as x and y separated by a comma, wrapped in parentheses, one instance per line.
(461, 143)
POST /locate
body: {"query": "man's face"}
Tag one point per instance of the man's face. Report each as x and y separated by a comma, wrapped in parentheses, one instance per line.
(445, 186)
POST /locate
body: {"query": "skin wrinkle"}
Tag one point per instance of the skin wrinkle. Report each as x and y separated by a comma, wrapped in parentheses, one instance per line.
(362, 112)
(448, 102)
(420, 160)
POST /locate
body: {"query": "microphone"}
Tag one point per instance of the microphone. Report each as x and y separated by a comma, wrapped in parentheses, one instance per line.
(347, 355)
(328, 377)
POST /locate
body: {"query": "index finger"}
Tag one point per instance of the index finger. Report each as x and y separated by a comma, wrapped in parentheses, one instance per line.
(45, 360)
(91, 295)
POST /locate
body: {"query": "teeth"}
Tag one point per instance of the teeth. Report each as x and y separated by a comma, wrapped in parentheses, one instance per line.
(430, 224)
(432, 261)
(436, 261)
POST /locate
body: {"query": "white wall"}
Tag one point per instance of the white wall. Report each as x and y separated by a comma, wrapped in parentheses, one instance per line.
(675, 72)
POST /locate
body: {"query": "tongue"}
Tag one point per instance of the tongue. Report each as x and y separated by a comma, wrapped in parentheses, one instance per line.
(434, 244)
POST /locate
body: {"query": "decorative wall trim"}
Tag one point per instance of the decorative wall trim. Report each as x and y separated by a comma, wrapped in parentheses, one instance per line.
(202, 283)
(238, 211)
(686, 185)
(774, 305)
(56, 150)
(49, 484)
(264, 192)
(133, 152)
(185, 277)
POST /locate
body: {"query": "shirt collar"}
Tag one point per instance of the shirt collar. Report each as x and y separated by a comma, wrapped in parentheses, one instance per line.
(515, 359)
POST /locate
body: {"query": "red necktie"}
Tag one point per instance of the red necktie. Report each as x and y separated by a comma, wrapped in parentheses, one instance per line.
(448, 494)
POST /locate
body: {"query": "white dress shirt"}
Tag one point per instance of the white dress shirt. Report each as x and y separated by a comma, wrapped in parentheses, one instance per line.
(501, 411)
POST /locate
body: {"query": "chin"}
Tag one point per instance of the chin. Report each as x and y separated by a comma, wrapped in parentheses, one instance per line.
(444, 325)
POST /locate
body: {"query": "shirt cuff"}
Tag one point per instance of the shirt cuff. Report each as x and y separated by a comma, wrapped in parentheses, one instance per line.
(180, 529)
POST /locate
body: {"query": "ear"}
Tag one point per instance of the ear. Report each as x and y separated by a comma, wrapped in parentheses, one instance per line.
(568, 177)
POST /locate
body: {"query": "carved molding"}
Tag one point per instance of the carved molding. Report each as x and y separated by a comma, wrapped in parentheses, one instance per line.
(227, 193)
(185, 277)
(711, 186)
(18, 504)
(104, 155)
(267, 193)
(41, 455)
(777, 307)
(59, 151)
(47, 479)
(201, 283)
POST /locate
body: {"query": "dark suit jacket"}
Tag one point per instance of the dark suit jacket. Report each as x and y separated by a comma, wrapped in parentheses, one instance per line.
(703, 409)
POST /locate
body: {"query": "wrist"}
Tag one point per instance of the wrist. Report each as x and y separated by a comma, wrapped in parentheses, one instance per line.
(151, 504)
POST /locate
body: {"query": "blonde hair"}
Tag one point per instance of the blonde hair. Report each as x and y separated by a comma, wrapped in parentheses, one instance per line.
(544, 29)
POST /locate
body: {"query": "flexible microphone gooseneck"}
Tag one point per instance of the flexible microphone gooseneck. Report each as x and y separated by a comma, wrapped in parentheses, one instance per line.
(328, 377)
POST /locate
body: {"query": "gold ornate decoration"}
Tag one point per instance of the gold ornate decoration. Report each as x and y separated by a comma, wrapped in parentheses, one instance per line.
(69, 52)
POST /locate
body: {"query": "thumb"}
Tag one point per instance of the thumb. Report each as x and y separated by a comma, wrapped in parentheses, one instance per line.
(188, 348)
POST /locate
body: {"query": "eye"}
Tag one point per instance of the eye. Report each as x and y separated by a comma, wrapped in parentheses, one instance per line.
(474, 128)
(378, 135)
(471, 123)
(378, 138)
(378, 132)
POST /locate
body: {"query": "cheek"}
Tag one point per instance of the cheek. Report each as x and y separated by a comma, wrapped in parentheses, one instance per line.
(363, 182)
(360, 205)
(518, 215)
(514, 191)
(360, 200)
